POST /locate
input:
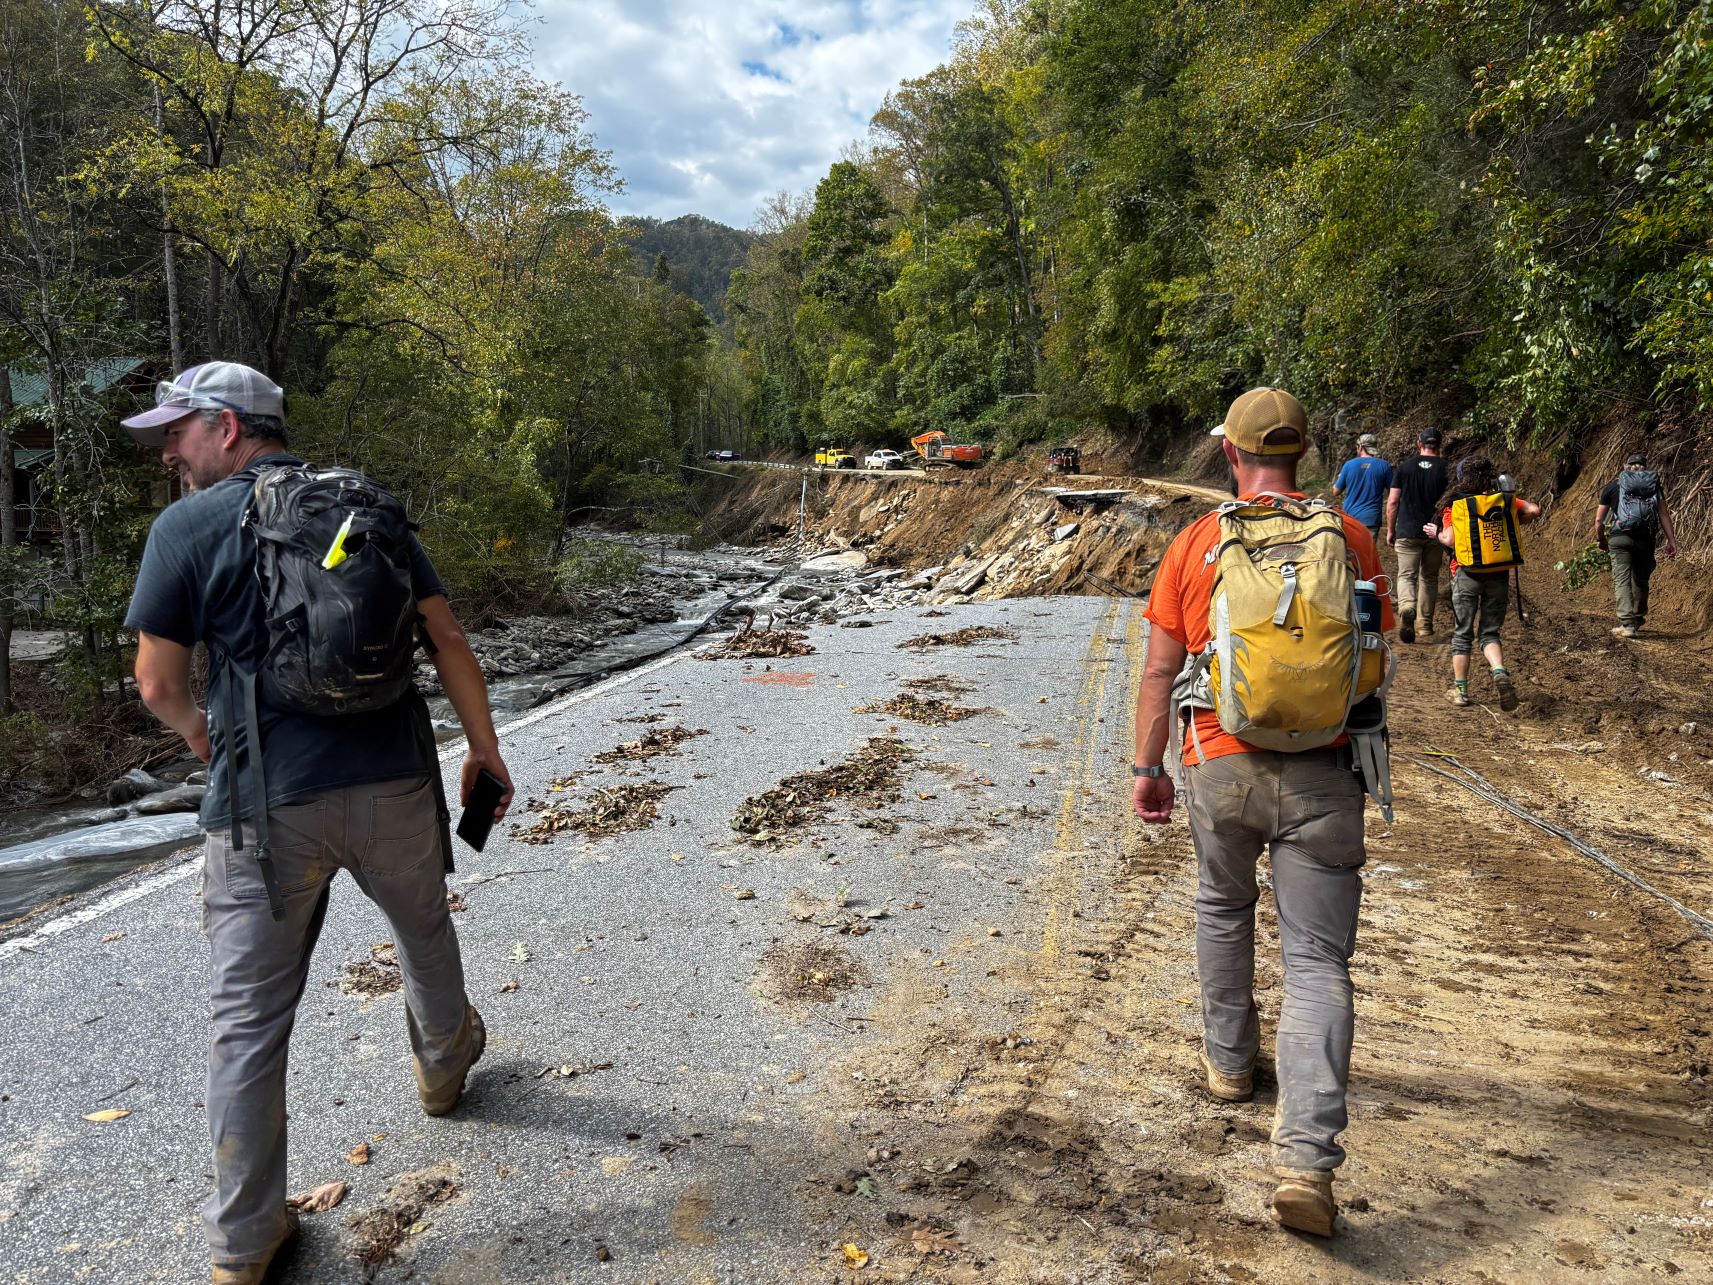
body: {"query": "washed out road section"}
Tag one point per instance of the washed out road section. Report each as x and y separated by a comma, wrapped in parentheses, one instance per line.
(666, 1007)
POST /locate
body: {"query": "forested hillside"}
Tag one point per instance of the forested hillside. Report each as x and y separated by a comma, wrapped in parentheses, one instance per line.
(701, 255)
(1124, 211)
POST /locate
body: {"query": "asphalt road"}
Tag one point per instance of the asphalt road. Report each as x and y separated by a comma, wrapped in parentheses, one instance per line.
(703, 1151)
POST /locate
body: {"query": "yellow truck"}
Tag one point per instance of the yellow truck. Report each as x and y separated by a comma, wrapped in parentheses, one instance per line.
(834, 457)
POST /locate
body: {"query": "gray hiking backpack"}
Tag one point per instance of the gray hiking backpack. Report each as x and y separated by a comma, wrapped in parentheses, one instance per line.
(1637, 509)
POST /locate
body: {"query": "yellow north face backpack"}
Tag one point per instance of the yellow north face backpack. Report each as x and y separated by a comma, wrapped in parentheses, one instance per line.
(1484, 528)
(1289, 657)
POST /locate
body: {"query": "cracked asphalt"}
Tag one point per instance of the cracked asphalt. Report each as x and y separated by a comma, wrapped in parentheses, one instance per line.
(703, 1151)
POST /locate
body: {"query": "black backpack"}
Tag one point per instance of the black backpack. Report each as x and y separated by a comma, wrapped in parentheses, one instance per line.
(1638, 501)
(333, 565)
(341, 637)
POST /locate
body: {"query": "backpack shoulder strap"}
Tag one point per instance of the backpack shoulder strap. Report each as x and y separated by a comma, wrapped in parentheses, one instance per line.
(242, 679)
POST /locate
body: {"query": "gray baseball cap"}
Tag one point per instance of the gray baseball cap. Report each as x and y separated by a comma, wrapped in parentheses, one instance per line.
(214, 385)
(1368, 439)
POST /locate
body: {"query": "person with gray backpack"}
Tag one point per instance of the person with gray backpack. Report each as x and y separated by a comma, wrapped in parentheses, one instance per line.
(1628, 523)
(311, 593)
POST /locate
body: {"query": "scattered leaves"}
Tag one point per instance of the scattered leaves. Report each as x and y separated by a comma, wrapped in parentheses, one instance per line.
(359, 1154)
(927, 1241)
(760, 644)
(113, 936)
(520, 954)
(944, 684)
(855, 1257)
(968, 637)
(919, 709)
(108, 1116)
(869, 776)
(377, 975)
(618, 810)
(382, 1230)
(813, 970)
(318, 1200)
(659, 740)
(455, 902)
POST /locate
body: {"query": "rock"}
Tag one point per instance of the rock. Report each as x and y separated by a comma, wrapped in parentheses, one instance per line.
(852, 560)
(133, 785)
(968, 579)
(181, 798)
(1066, 532)
(798, 592)
(198, 777)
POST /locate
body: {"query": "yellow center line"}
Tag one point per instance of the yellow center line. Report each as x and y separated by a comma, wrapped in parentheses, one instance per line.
(1062, 881)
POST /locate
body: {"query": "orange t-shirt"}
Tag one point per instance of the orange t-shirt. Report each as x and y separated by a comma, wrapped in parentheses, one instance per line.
(1183, 591)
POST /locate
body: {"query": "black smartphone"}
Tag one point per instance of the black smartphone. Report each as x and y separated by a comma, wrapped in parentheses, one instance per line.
(478, 816)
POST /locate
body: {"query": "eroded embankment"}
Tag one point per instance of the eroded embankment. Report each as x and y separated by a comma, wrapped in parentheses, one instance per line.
(995, 534)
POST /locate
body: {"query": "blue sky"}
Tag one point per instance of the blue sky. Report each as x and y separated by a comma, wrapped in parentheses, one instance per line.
(710, 107)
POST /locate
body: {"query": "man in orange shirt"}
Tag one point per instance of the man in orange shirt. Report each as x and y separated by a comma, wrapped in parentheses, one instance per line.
(1306, 808)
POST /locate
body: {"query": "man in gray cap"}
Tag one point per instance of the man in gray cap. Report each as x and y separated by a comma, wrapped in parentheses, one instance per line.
(1363, 483)
(347, 792)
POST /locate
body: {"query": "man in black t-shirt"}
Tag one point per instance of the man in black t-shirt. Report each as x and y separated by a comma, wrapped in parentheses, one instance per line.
(350, 792)
(1418, 483)
(1633, 543)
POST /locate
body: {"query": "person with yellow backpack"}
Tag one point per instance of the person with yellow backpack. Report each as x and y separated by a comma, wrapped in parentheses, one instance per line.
(1267, 649)
(1481, 525)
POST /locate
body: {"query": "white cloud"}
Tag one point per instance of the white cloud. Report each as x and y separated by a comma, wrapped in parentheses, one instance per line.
(711, 108)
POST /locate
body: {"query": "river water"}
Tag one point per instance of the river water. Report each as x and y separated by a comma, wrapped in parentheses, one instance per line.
(53, 852)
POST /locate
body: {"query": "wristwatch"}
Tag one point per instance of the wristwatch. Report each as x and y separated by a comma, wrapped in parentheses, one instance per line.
(1150, 772)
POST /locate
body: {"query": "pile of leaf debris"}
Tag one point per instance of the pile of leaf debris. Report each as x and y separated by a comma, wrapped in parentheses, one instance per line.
(959, 638)
(760, 644)
(618, 810)
(919, 709)
(377, 1234)
(869, 777)
(377, 975)
(657, 740)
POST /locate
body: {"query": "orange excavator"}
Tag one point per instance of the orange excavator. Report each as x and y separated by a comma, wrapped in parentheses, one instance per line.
(937, 449)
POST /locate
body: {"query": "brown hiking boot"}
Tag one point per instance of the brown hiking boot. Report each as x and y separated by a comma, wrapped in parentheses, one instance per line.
(440, 1099)
(1507, 690)
(1407, 626)
(1227, 1088)
(1459, 697)
(1303, 1201)
(256, 1272)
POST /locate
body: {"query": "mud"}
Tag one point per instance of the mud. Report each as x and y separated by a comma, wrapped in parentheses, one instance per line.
(377, 1235)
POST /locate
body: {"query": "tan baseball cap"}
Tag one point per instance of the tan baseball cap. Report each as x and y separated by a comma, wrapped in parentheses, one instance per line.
(1257, 422)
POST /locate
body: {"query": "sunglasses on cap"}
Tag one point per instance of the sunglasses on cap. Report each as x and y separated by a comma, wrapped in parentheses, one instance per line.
(167, 393)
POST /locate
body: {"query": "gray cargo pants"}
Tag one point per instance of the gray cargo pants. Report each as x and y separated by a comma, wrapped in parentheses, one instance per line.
(387, 835)
(1307, 809)
(1632, 569)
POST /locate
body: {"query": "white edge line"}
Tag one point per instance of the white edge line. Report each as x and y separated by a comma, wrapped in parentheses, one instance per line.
(191, 865)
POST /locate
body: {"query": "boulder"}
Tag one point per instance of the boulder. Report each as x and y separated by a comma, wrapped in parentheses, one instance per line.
(181, 798)
(133, 785)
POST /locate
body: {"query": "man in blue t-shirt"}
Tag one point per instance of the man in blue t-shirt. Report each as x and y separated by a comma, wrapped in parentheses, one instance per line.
(351, 792)
(1363, 483)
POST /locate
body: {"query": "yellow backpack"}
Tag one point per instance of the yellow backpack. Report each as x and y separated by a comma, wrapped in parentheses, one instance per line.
(1285, 664)
(1289, 665)
(1484, 529)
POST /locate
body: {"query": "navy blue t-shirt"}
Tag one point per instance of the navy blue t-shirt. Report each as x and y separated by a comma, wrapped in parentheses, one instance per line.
(1363, 482)
(197, 583)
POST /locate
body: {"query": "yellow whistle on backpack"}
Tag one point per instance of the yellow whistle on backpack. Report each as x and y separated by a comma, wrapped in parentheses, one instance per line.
(336, 551)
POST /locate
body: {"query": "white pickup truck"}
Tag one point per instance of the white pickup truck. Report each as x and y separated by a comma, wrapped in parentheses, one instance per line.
(883, 459)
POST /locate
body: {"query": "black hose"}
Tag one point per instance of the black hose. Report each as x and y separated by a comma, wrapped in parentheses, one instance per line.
(1481, 787)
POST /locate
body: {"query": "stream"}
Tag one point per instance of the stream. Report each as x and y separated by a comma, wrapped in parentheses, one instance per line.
(60, 851)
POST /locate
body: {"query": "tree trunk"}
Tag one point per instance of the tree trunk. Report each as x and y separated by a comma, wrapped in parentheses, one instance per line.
(8, 535)
(169, 255)
(56, 419)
